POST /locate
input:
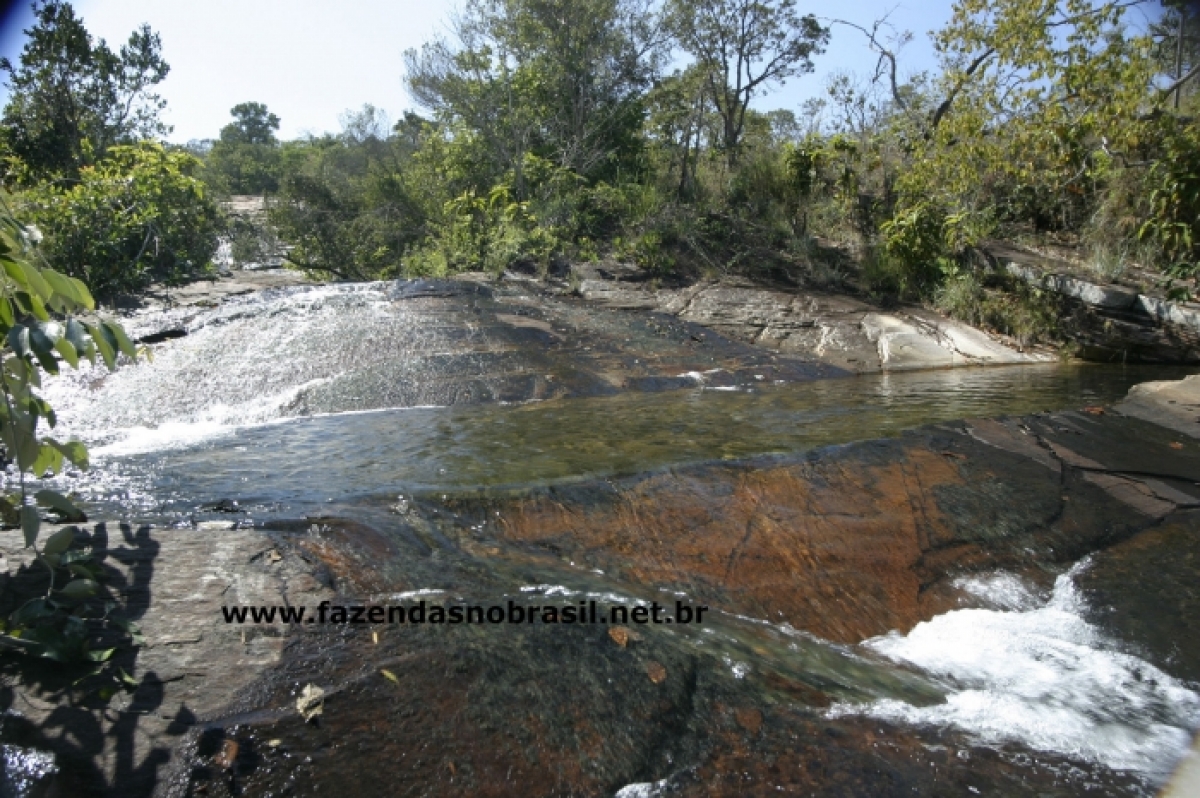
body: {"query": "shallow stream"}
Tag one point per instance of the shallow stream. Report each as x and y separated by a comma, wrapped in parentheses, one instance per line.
(275, 402)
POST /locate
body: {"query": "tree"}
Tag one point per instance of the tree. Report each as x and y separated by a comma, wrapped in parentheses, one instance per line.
(743, 46)
(141, 214)
(252, 124)
(346, 206)
(678, 121)
(69, 90)
(562, 79)
(1055, 115)
(246, 158)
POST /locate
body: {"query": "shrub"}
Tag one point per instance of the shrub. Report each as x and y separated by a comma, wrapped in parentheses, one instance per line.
(137, 216)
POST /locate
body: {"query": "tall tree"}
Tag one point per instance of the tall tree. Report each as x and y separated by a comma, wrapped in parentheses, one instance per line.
(246, 158)
(252, 124)
(562, 79)
(70, 89)
(743, 46)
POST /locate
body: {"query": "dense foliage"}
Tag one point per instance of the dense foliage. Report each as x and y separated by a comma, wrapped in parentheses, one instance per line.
(245, 159)
(139, 215)
(117, 210)
(72, 98)
(553, 132)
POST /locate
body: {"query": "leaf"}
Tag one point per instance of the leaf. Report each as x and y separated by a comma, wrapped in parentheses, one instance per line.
(656, 672)
(311, 702)
(31, 523)
(10, 511)
(80, 589)
(81, 570)
(6, 312)
(60, 541)
(74, 451)
(37, 308)
(76, 555)
(61, 504)
(67, 351)
(20, 437)
(49, 459)
(36, 283)
(85, 296)
(226, 758)
(75, 335)
(63, 286)
(15, 272)
(31, 612)
(18, 340)
(105, 343)
(130, 628)
(122, 340)
(100, 654)
(391, 677)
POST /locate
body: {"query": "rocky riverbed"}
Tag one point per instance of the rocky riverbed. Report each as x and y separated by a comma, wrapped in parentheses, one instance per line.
(1071, 535)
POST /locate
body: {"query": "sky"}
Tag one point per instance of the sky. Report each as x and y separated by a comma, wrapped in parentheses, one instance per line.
(310, 61)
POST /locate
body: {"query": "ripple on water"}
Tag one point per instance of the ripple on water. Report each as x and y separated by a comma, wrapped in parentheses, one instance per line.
(24, 769)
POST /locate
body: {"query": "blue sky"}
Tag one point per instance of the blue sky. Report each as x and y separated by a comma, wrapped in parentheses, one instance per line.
(310, 60)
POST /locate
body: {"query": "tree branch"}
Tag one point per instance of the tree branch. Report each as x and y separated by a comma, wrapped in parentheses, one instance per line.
(962, 81)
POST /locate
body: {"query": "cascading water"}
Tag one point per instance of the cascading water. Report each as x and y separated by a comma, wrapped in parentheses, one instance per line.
(1034, 671)
(292, 398)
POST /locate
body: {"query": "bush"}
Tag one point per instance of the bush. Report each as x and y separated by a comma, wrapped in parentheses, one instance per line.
(1011, 307)
(137, 216)
(1171, 223)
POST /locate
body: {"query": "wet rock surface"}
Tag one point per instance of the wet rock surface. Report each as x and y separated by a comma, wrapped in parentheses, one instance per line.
(171, 583)
(425, 342)
(798, 557)
(850, 542)
(844, 543)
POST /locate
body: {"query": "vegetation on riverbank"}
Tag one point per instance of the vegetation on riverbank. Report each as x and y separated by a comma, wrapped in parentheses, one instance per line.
(554, 132)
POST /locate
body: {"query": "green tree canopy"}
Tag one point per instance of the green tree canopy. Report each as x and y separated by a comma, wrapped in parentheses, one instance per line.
(252, 124)
(139, 215)
(561, 79)
(71, 98)
(742, 46)
(246, 158)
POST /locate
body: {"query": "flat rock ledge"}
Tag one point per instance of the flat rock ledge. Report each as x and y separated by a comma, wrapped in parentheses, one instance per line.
(172, 584)
(835, 329)
(1119, 323)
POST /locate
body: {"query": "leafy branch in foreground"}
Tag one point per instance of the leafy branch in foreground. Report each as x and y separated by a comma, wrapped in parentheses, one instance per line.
(40, 333)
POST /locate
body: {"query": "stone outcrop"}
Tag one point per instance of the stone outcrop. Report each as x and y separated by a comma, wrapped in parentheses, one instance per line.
(791, 552)
(842, 543)
(1117, 323)
(835, 329)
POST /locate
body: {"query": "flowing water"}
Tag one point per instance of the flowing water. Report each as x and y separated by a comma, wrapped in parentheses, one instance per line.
(296, 400)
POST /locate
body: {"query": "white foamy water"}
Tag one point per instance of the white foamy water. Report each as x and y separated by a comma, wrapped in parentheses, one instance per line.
(250, 361)
(1036, 673)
